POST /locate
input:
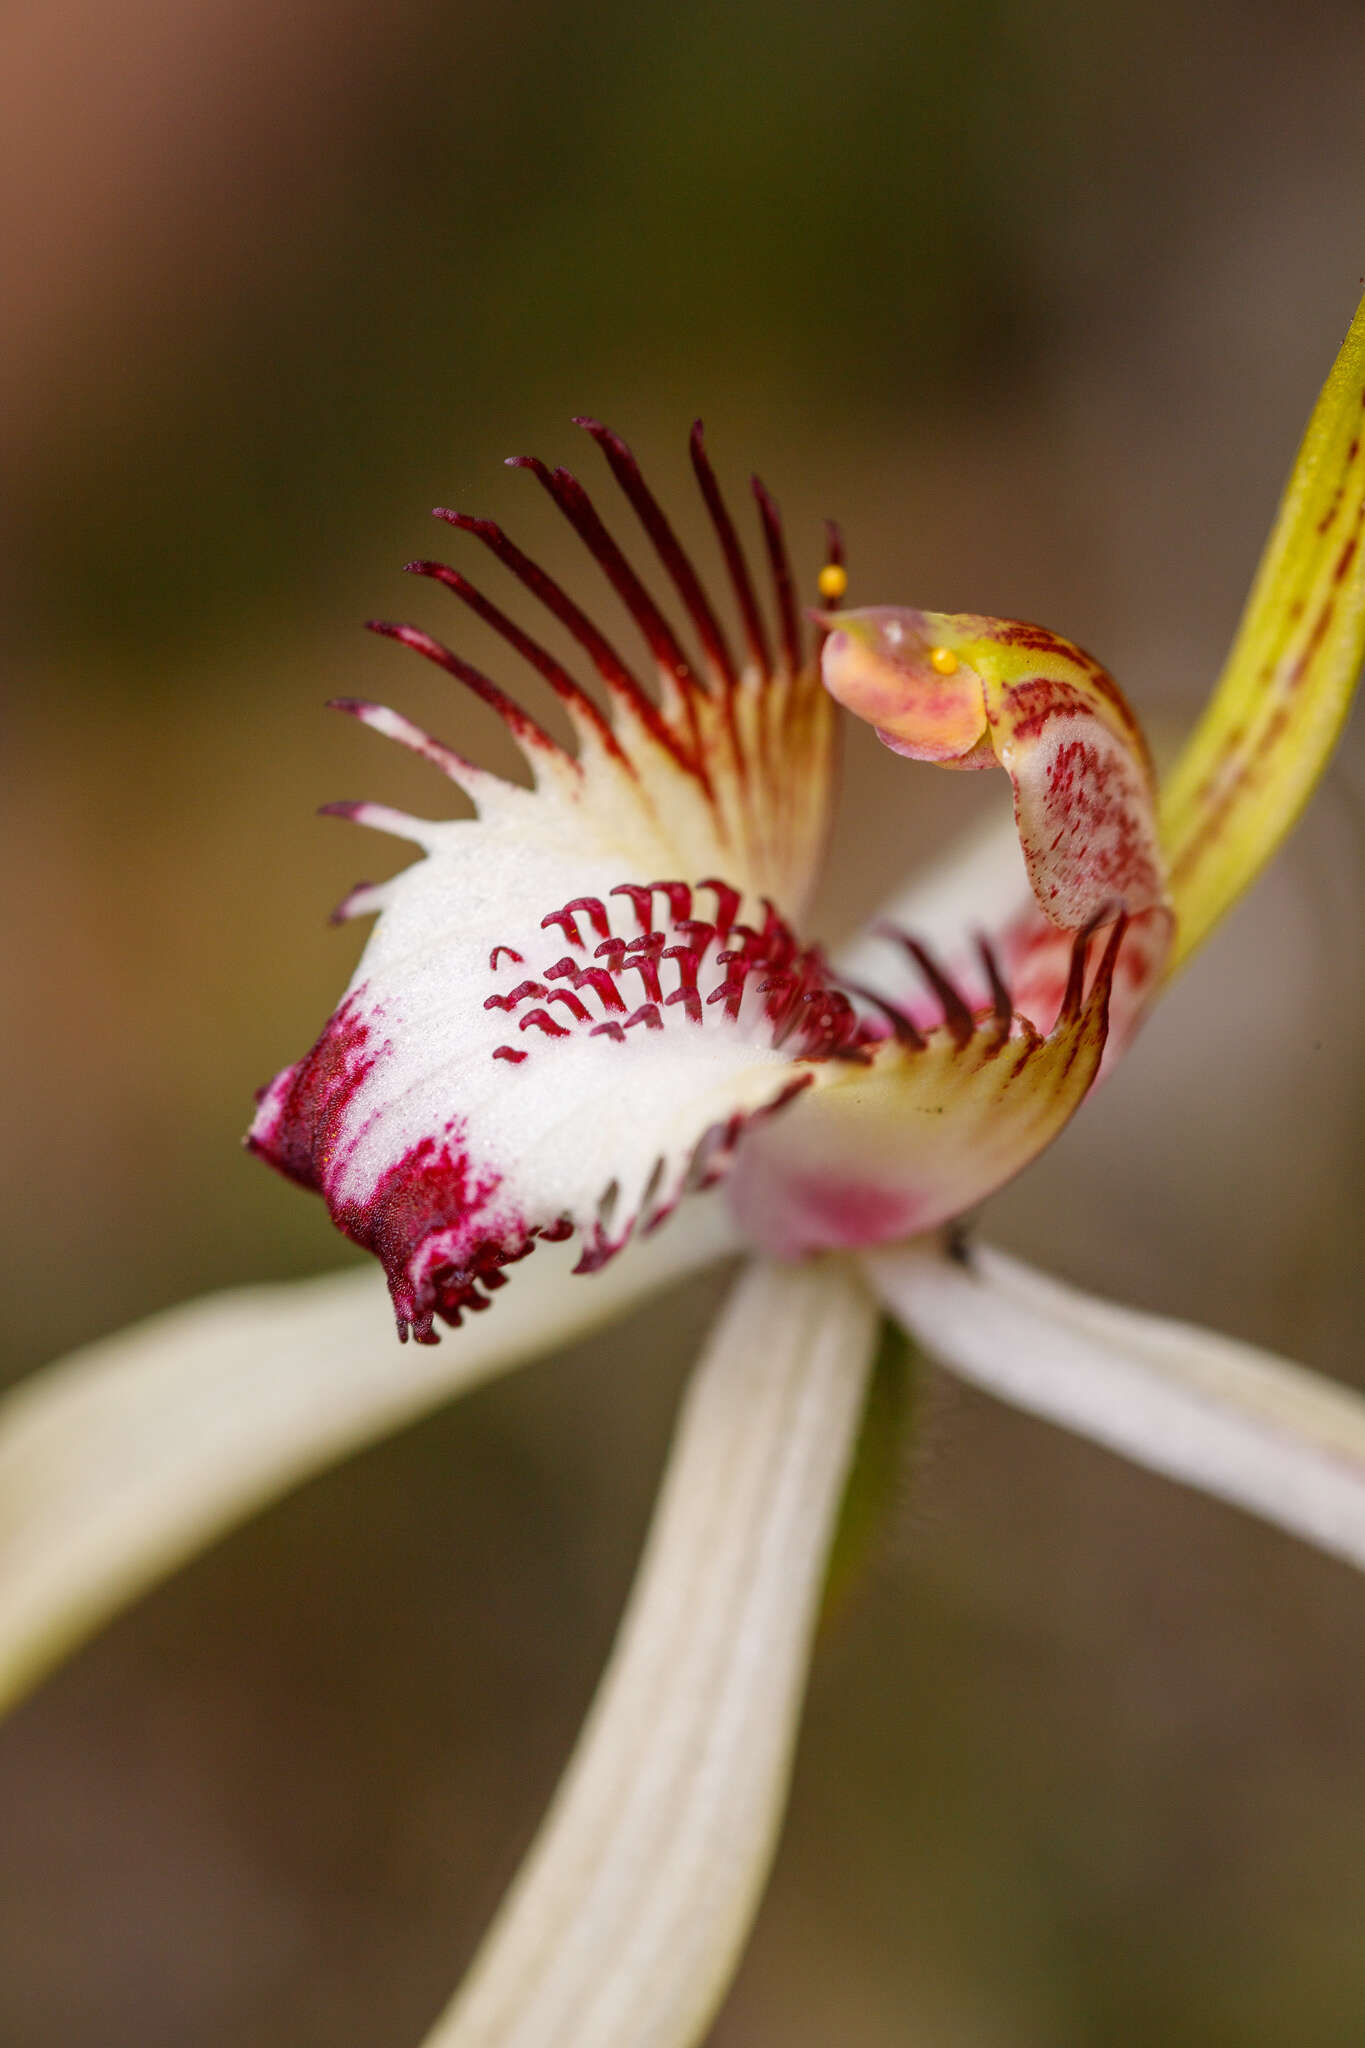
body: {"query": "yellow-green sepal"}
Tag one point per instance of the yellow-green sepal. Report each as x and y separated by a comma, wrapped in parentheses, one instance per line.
(1282, 699)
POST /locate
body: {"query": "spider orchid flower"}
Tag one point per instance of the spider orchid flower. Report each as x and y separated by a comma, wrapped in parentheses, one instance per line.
(592, 1045)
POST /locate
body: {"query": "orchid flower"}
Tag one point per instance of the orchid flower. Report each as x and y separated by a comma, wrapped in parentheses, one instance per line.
(591, 1046)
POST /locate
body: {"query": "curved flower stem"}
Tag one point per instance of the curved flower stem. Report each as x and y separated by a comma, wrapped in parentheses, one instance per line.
(1239, 1423)
(625, 1922)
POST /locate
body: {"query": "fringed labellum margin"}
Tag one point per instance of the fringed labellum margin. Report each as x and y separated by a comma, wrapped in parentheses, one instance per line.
(592, 998)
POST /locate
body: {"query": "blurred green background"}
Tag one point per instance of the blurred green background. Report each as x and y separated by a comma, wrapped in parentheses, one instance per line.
(1035, 299)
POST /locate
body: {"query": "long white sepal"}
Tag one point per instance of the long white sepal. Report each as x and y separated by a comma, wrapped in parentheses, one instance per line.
(627, 1918)
(121, 1461)
(1239, 1423)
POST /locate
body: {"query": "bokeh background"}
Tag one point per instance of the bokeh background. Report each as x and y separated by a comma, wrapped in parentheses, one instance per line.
(1035, 298)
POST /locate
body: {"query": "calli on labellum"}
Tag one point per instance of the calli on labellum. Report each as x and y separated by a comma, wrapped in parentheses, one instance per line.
(592, 1045)
(595, 996)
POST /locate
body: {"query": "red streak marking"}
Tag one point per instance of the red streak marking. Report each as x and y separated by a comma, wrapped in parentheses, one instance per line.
(1311, 646)
(1330, 514)
(1275, 728)
(1019, 633)
(508, 1052)
(511, 953)
(1211, 829)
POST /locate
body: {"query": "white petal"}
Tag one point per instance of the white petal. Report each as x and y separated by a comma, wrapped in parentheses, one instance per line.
(1236, 1422)
(625, 1923)
(119, 1462)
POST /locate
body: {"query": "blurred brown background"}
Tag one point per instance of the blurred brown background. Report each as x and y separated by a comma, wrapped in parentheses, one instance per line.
(1035, 298)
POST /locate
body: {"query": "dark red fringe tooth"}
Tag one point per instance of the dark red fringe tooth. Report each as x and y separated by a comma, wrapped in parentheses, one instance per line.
(612, 670)
(959, 1019)
(573, 501)
(957, 1014)
(903, 1029)
(781, 573)
(1001, 999)
(680, 736)
(667, 546)
(519, 722)
(731, 548)
(576, 700)
(1076, 998)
